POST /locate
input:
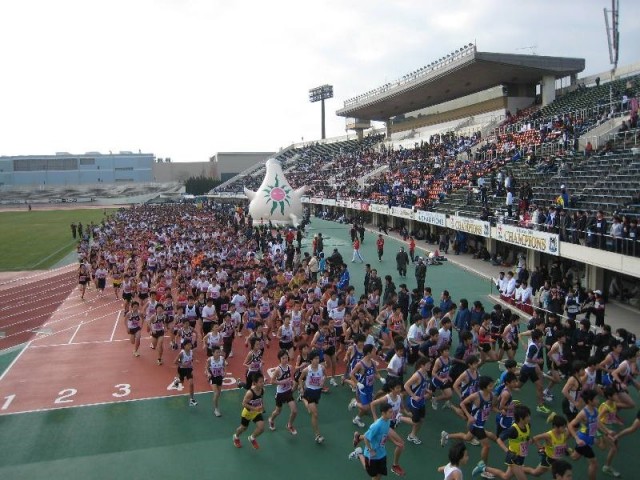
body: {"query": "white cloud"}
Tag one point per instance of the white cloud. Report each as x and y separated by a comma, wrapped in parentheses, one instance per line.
(188, 78)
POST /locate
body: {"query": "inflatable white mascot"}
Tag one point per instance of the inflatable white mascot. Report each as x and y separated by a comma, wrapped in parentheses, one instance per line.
(275, 200)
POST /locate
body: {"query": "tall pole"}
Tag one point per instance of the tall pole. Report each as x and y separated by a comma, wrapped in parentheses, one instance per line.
(320, 94)
(323, 131)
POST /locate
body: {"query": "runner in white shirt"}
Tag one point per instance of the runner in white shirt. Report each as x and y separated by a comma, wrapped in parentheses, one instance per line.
(240, 301)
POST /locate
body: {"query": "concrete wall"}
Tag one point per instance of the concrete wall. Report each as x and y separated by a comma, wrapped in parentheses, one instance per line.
(601, 258)
(180, 171)
(236, 162)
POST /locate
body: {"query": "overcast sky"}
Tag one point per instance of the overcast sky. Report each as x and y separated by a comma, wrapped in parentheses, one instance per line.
(188, 78)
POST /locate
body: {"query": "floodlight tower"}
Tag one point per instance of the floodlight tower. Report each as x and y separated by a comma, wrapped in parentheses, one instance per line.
(613, 37)
(320, 94)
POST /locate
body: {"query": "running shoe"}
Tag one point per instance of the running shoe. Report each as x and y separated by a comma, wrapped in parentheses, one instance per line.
(548, 398)
(355, 454)
(240, 383)
(217, 413)
(272, 425)
(487, 475)
(356, 438)
(448, 405)
(230, 354)
(414, 440)
(176, 382)
(152, 347)
(478, 469)
(159, 361)
(474, 441)
(333, 383)
(192, 402)
(299, 397)
(319, 439)
(607, 470)
(434, 404)
(444, 438)
(292, 429)
(236, 442)
(543, 409)
(136, 354)
(398, 470)
(352, 404)
(358, 422)
(551, 417)
(254, 442)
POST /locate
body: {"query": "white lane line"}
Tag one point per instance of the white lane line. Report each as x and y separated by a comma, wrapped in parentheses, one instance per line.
(115, 325)
(72, 326)
(51, 272)
(90, 342)
(97, 404)
(74, 334)
(14, 361)
(64, 247)
(52, 322)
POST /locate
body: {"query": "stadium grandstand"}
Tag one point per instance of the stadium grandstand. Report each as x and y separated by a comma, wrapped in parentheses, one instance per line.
(502, 154)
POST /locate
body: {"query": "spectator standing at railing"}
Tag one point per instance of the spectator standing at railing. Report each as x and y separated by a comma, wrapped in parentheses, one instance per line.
(581, 226)
(551, 222)
(564, 226)
(600, 230)
(538, 218)
(631, 240)
(615, 231)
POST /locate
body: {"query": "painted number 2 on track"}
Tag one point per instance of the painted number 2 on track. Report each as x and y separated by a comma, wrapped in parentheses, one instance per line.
(66, 396)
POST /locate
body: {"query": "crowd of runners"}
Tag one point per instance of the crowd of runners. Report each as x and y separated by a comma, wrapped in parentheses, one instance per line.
(207, 282)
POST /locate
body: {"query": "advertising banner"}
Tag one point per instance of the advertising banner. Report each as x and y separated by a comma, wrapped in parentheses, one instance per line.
(523, 237)
(433, 218)
(377, 208)
(469, 225)
(402, 212)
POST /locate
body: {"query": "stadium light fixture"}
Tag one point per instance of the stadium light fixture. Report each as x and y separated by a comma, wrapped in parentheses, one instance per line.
(320, 94)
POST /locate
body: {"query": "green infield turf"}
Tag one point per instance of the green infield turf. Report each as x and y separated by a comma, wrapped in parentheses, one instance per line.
(36, 240)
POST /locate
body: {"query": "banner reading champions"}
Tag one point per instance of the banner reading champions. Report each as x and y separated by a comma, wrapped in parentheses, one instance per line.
(469, 225)
(541, 241)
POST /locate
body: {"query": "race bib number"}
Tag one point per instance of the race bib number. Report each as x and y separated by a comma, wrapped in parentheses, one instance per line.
(559, 451)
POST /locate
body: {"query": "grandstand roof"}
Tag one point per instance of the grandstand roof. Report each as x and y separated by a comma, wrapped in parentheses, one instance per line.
(456, 78)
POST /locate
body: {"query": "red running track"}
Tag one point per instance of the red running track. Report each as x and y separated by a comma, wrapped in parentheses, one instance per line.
(27, 304)
(85, 357)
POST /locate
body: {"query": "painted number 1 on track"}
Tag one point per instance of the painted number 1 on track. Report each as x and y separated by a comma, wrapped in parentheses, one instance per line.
(65, 396)
(7, 401)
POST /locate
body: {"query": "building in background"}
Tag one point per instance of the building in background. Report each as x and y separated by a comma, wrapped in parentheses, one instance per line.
(229, 164)
(164, 170)
(68, 169)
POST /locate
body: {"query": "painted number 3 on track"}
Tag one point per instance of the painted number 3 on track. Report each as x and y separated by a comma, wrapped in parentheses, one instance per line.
(66, 396)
